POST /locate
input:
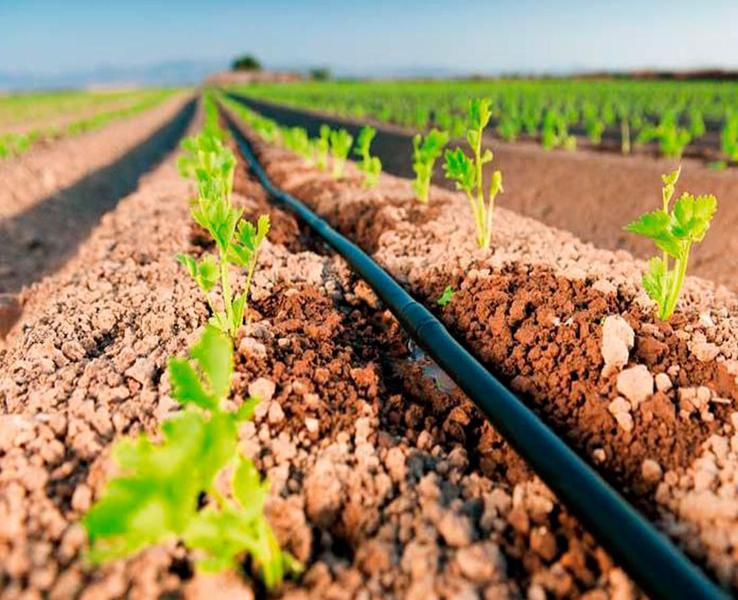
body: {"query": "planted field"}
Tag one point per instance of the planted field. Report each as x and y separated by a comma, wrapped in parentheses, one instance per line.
(259, 364)
(27, 119)
(623, 116)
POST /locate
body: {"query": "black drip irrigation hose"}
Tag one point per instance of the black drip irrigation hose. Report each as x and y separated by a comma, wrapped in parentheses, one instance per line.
(648, 556)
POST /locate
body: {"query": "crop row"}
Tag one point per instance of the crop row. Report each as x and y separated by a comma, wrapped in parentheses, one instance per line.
(190, 482)
(14, 144)
(674, 114)
(674, 227)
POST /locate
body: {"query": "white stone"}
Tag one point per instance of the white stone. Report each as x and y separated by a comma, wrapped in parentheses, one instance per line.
(663, 382)
(263, 389)
(636, 384)
(617, 340)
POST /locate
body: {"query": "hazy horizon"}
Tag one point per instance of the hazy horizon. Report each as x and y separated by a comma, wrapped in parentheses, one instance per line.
(77, 40)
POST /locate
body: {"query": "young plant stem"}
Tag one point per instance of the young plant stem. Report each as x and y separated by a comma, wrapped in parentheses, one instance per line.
(478, 205)
(680, 268)
(227, 296)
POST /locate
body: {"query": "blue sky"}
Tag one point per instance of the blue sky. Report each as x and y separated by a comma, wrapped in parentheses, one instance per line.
(45, 36)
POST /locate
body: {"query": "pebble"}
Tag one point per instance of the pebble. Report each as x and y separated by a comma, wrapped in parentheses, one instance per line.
(617, 340)
(705, 351)
(263, 389)
(275, 414)
(620, 409)
(651, 470)
(663, 382)
(636, 384)
(312, 424)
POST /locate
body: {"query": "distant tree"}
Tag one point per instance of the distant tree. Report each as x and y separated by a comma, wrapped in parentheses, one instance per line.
(247, 62)
(320, 74)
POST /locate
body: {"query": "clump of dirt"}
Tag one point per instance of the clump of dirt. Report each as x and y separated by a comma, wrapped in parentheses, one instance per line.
(543, 334)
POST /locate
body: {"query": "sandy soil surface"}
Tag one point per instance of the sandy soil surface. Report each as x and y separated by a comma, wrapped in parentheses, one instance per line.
(591, 194)
(568, 327)
(385, 481)
(54, 196)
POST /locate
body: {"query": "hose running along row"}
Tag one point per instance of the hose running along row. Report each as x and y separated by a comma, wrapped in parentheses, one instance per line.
(650, 558)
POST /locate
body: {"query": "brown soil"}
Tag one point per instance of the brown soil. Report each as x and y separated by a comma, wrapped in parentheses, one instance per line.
(377, 481)
(532, 310)
(589, 193)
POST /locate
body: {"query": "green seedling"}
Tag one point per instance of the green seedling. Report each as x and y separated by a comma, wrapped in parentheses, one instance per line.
(211, 164)
(340, 145)
(297, 140)
(468, 172)
(555, 132)
(322, 146)
(593, 124)
(671, 137)
(696, 123)
(425, 153)
(729, 137)
(446, 296)
(370, 165)
(192, 484)
(674, 231)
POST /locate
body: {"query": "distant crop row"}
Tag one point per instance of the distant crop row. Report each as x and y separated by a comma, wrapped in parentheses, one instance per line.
(14, 144)
(554, 112)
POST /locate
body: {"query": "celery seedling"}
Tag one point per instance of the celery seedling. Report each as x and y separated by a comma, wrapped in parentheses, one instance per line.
(673, 231)
(169, 490)
(322, 144)
(446, 296)
(340, 145)
(370, 165)
(468, 174)
(425, 153)
(729, 137)
(211, 164)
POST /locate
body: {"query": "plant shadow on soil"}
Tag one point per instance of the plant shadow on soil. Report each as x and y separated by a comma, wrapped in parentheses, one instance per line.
(40, 240)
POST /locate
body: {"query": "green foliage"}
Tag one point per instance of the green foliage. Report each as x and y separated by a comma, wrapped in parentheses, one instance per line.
(320, 74)
(594, 125)
(674, 231)
(340, 142)
(671, 137)
(596, 107)
(297, 140)
(468, 172)
(370, 165)
(247, 62)
(211, 164)
(425, 153)
(446, 296)
(555, 131)
(158, 492)
(322, 146)
(729, 137)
